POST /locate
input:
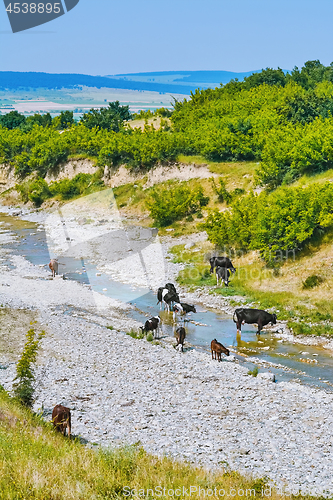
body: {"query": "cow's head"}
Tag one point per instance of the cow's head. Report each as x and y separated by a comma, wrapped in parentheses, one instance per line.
(274, 318)
(225, 350)
(232, 269)
(212, 264)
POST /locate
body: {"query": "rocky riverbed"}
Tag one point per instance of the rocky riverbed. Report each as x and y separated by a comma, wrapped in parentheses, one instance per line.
(123, 390)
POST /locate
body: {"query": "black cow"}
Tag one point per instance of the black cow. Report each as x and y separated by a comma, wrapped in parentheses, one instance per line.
(250, 316)
(160, 295)
(181, 334)
(151, 325)
(221, 262)
(223, 274)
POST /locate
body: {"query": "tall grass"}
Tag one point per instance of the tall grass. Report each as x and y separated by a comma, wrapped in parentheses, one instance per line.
(36, 462)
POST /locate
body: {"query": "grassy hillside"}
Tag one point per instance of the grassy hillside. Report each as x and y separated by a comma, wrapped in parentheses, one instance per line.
(36, 462)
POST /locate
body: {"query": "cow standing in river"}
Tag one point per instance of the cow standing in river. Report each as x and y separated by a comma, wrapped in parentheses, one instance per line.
(250, 316)
(53, 265)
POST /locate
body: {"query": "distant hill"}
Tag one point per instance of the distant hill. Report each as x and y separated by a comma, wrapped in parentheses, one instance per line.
(177, 82)
(17, 80)
(203, 79)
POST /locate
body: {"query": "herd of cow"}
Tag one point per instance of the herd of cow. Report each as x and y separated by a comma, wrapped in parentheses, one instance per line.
(168, 297)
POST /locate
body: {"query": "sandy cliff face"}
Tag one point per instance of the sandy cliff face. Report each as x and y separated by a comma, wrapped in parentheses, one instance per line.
(113, 177)
(70, 169)
(7, 177)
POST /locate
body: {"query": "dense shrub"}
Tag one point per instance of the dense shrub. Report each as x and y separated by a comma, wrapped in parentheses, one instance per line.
(168, 204)
(109, 118)
(70, 188)
(38, 190)
(277, 224)
(312, 281)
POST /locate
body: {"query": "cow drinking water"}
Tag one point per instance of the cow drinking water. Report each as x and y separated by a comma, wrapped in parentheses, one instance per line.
(217, 349)
(183, 309)
(180, 336)
(250, 316)
(152, 325)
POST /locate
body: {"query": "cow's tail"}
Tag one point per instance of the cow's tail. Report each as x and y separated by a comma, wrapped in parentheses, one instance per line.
(235, 321)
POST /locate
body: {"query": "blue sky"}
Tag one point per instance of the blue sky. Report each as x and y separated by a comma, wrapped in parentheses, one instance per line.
(103, 37)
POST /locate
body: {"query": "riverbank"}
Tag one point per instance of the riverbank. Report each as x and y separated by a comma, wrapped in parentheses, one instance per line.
(123, 390)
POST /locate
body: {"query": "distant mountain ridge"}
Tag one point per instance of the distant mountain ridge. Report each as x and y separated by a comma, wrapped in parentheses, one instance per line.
(190, 76)
(177, 82)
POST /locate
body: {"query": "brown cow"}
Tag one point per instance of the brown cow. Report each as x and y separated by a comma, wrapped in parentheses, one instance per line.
(181, 334)
(61, 418)
(53, 265)
(217, 348)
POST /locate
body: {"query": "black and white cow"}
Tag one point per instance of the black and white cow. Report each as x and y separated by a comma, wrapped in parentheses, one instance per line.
(167, 296)
(223, 274)
(221, 262)
(171, 287)
(183, 309)
(250, 316)
(169, 299)
(152, 325)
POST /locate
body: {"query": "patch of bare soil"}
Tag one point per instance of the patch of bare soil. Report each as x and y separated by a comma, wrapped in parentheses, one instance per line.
(14, 324)
(180, 172)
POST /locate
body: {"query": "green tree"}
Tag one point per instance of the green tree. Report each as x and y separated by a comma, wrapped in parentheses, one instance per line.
(12, 120)
(269, 76)
(25, 378)
(110, 118)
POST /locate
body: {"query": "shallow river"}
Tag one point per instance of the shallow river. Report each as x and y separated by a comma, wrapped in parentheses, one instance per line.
(283, 358)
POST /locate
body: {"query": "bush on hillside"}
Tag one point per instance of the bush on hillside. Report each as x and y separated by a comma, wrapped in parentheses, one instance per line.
(277, 224)
(312, 281)
(37, 191)
(171, 203)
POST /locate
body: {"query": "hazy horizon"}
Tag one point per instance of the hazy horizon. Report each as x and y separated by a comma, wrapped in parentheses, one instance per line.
(104, 38)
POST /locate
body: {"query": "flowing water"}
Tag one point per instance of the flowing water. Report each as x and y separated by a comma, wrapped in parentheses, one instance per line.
(289, 361)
